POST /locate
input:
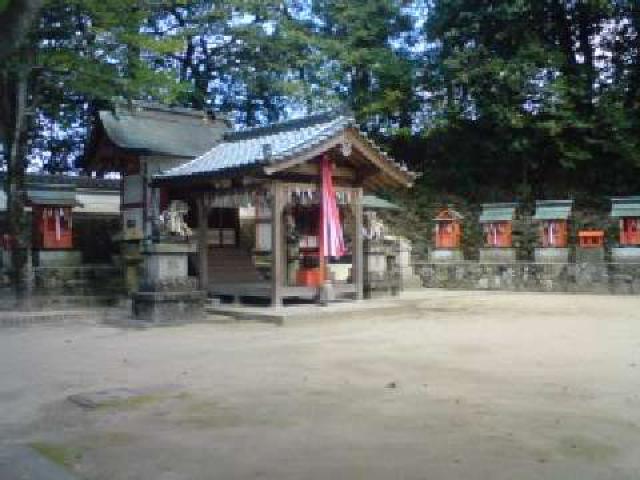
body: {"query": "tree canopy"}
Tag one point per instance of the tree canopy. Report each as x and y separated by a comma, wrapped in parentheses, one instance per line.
(521, 96)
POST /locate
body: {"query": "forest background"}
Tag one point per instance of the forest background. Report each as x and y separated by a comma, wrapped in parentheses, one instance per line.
(490, 100)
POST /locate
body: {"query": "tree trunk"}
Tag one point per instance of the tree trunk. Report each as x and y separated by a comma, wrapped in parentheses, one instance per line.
(15, 131)
(16, 21)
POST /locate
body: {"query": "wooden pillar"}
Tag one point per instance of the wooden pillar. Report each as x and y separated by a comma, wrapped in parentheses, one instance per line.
(358, 247)
(277, 247)
(203, 244)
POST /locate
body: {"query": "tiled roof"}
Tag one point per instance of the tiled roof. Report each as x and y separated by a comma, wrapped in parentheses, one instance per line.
(54, 195)
(622, 207)
(553, 209)
(78, 181)
(169, 131)
(271, 145)
(498, 212)
(373, 202)
(265, 145)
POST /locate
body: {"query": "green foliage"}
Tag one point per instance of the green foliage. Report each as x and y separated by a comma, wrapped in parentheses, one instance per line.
(529, 85)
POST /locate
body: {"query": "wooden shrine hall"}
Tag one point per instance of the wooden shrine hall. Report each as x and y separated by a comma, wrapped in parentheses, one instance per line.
(301, 183)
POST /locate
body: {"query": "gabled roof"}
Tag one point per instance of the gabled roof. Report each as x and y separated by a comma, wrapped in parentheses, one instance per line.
(498, 212)
(373, 202)
(622, 207)
(278, 144)
(52, 195)
(553, 209)
(78, 181)
(154, 129)
(448, 214)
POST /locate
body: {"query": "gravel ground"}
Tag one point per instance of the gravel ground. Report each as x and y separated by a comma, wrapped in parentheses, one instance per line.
(473, 385)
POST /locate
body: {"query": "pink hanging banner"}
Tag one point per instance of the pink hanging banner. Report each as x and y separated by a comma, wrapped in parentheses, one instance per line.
(332, 240)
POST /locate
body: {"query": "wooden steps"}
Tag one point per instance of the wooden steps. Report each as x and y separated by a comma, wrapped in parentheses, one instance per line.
(232, 265)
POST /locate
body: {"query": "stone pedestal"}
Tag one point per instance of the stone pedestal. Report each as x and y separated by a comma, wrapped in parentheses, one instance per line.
(625, 255)
(405, 268)
(132, 262)
(167, 295)
(497, 255)
(57, 258)
(443, 255)
(380, 271)
(590, 255)
(552, 255)
(375, 255)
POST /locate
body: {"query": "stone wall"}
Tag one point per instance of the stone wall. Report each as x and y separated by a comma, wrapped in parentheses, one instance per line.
(79, 280)
(619, 278)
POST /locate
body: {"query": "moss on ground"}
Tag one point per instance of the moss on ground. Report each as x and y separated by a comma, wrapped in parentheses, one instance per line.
(59, 454)
(129, 403)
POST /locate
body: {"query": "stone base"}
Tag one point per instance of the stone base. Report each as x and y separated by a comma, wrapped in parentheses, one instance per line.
(552, 255)
(130, 259)
(445, 256)
(167, 294)
(168, 307)
(165, 261)
(625, 255)
(57, 258)
(497, 255)
(375, 262)
(590, 255)
(408, 278)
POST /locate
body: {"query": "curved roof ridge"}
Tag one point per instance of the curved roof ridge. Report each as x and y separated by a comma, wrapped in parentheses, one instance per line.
(292, 124)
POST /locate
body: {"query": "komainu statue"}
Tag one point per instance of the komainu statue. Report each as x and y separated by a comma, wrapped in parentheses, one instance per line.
(172, 223)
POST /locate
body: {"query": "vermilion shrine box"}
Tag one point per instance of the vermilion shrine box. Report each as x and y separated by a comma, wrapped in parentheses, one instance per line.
(591, 238)
(497, 224)
(52, 228)
(627, 211)
(553, 216)
(309, 277)
(448, 229)
(52, 215)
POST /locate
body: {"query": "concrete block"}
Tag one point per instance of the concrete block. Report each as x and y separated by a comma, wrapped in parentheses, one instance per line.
(590, 255)
(445, 256)
(57, 258)
(552, 255)
(625, 255)
(497, 255)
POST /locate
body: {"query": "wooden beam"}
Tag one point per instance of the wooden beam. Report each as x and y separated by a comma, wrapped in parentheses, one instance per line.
(357, 262)
(364, 146)
(306, 155)
(203, 245)
(277, 250)
(313, 169)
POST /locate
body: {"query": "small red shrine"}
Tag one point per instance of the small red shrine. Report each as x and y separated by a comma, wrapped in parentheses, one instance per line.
(448, 229)
(497, 224)
(627, 211)
(52, 216)
(553, 216)
(591, 238)
(52, 227)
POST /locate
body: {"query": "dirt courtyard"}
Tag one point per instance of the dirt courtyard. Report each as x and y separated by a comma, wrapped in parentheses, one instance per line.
(472, 385)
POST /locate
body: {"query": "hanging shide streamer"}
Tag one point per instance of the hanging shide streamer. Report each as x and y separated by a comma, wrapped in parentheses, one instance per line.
(295, 194)
(229, 200)
(58, 218)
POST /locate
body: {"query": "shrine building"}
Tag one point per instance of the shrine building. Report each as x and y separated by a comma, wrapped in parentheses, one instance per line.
(303, 183)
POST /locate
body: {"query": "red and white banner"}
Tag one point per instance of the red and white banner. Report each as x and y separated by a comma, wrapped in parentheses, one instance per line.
(332, 244)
